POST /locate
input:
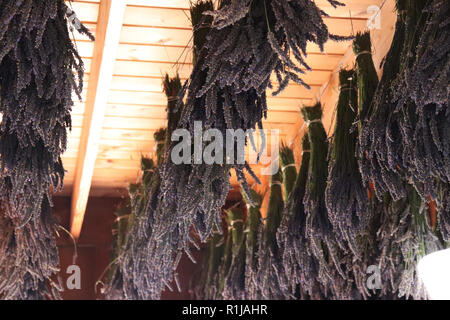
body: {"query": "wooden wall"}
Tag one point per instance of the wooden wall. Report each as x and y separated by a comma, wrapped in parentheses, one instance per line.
(95, 243)
(94, 249)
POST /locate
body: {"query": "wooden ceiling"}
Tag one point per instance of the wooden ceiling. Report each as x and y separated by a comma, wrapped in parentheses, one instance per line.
(138, 41)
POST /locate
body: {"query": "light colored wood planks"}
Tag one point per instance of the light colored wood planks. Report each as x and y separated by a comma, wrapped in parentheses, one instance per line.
(118, 134)
(173, 54)
(151, 36)
(156, 34)
(85, 11)
(169, 13)
(154, 84)
(110, 15)
(181, 37)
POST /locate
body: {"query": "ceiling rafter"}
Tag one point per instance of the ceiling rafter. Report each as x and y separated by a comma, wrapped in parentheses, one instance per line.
(109, 24)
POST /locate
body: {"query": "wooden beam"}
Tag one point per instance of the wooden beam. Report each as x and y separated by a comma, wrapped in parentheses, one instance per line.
(109, 24)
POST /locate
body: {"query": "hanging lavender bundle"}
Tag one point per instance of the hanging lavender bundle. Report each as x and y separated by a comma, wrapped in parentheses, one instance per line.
(234, 288)
(404, 238)
(122, 225)
(271, 276)
(350, 207)
(39, 69)
(207, 289)
(288, 169)
(227, 90)
(331, 265)
(183, 188)
(234, 215)
(172, 87)
(404, 116)
(367, 82)
(388, 141)
(404, 141)
(318, 227)
(373, 141)
(291, 235)
(37, 61)
(160, 137)
(421, 99)
(130, 219)
(426, 80)
(29, 258)
(129, 280)
(345, 195)
(366, 75)
(253, 227)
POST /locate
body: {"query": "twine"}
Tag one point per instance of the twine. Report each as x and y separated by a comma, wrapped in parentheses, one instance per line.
(249, 206)
(347, 88)
(306, 151)
(231, 226)
(287, 166)
(276, 183)
(308, 122)
(236, 221)
(122, 217)
(363, 52)
(172, 98)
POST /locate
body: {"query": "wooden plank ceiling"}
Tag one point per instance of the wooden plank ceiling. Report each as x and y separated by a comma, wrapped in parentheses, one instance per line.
(155, 39)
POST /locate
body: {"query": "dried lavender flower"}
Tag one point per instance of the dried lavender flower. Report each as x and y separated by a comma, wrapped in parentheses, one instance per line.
(40, 68)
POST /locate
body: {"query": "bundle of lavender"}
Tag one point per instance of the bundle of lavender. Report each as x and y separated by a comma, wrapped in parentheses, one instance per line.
(248, 41)
(234, 216)
(271, 276)
(319, 230)
(130, 231)
(40, 68)
(129, 279)
(404, 237)
(366, 75)
(392, 144)
(29, 258)
(253, 227)
(367, 82)
(374, 142)
(234, 288)
(421, 101)
(184, 187)
(330, 265)
(207, 287)
(291, 234)
(288, 169)
(345, 195)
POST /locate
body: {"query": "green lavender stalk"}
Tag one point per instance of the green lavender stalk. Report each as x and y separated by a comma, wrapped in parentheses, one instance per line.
(366, 75)
(288, 169)
(346, 196)
(214, 257)
(235, 280)
(253, 227)
(271, 276)
(291, 234)
(234, 220)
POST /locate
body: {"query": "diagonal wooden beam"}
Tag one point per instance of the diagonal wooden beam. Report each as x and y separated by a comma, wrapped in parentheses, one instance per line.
(109, 24)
